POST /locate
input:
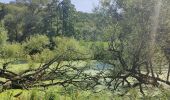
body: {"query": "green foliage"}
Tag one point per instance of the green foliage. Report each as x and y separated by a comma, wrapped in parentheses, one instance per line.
(34, 95)
(13, 50)
(3, 36)
(71, 93)
(70, 47)
(13, 22)
(127, 32)
(86, 28)
(99, 50)
(50, 96)
(63, 44)
(67, 18)
(54, 18)
(45, 55)
(36, 43)
(8, 95)
(85, 31)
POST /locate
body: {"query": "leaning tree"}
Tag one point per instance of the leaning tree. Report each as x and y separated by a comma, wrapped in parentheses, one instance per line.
(136, 43)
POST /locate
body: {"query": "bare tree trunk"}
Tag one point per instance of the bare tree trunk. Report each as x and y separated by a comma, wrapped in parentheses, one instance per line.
(168, 71)
(151, 68)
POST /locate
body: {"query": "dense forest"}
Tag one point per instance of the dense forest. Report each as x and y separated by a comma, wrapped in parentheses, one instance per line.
(120, 51)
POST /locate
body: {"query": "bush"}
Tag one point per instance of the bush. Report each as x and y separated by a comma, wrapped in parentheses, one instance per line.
(99, 50)
(70, 47)
(50, 96)
(35, 44)
(45, 55)
(13, 50)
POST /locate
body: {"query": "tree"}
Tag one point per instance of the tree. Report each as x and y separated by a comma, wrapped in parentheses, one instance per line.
(138, 24)
(2, 12)
(32, 21)
(163, 37)
(85, 27)
(67, 18)
(3, 36)
(51, 20)
(13, 23)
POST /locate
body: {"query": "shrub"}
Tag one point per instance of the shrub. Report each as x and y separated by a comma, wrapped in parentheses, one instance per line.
(70, 47)
(50, 96)
(13, 50)
(35, 44)
(99, 50)
(45, 55)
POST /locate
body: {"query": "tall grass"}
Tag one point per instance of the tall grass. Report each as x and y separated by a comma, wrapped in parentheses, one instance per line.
(75, 94)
